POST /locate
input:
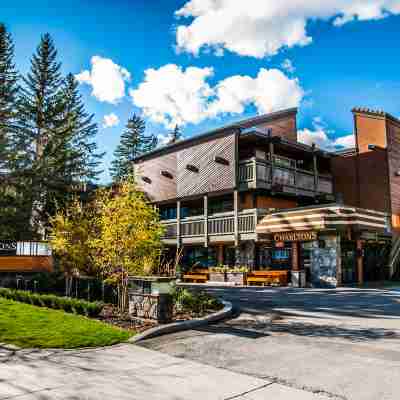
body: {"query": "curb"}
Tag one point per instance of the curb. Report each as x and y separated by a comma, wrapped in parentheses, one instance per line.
(184, 325)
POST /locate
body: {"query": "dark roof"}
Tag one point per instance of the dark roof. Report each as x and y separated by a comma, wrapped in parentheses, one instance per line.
(243, 124)
(286, 142)
(379, 113)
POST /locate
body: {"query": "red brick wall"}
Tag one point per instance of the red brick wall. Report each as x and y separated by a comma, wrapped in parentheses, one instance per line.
(370, 129)
(367, 188)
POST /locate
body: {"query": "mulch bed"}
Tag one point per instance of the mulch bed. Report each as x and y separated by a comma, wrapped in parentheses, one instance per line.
(111, 316)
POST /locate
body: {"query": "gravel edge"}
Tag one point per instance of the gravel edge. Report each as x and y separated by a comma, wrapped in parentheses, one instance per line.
(184, 325)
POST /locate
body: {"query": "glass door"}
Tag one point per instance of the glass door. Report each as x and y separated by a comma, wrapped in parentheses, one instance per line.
(349, 262)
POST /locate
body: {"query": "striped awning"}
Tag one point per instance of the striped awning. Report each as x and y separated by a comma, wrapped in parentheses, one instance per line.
(324, 217)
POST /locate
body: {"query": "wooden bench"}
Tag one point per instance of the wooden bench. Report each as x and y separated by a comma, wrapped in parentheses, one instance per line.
(279, 278)
(199, 275)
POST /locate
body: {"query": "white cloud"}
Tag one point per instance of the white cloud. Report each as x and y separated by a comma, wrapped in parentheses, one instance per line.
(260, 27)
(288, 66)
(110, 120)
(106, 78)
(171, 95)
(319, 136)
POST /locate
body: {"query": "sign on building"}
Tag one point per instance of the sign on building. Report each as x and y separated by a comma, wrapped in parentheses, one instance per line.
(8, 248)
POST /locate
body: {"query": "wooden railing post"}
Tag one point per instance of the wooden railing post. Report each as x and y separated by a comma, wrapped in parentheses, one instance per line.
(315, 165)
(178, 224)
(236, 216)
(206, 220)
(272, 162)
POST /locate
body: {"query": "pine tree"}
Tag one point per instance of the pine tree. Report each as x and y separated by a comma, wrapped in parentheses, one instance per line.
(8, 94)
(79, 133)
(8, 97)
(176, 135)
(133, 143)
(40, 115)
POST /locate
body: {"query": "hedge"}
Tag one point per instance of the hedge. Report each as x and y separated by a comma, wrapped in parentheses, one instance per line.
(76, 306)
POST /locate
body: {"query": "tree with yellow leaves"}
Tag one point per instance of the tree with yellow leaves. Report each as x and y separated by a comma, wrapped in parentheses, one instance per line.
(129, 240)
(72, 234)
(115, 235)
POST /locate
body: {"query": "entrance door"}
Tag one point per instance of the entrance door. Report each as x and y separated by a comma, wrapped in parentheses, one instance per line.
(376, 257)
(349, 264)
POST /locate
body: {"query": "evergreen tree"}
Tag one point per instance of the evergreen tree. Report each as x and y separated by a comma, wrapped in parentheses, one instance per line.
(133, 143)
(79, 133)
(40, 120)
(58, 153)
(176, 135)
(9, 215)
(8, 95)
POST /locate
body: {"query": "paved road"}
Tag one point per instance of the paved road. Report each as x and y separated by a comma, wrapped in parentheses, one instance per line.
(342, 343)
(127, 372)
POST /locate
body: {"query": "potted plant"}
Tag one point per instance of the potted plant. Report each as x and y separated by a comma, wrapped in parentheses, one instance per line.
(217, 274)
(237, 275)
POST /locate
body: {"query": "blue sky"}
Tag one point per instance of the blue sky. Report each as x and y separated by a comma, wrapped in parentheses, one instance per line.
(216, 64)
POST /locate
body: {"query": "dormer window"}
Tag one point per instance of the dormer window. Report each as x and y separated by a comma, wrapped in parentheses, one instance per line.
(192, 168)
(146, 179)
(167, 174)
(221, 160)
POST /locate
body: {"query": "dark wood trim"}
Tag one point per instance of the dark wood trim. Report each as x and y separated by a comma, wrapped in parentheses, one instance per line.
(205, 220)
(236, 216)
(178, 224)
(246, 123)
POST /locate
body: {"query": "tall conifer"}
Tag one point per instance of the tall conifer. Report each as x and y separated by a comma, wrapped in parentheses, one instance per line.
(8, 99)
(132, 144)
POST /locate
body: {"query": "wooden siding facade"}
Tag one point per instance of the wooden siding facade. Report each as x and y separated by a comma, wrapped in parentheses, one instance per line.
(208, 175)
(26, 264)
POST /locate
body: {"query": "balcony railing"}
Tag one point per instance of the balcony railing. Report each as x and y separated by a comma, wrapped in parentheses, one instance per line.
(218, 224)
(257, 173)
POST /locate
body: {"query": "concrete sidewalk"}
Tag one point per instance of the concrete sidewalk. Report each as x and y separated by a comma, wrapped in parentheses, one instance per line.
(128, 372)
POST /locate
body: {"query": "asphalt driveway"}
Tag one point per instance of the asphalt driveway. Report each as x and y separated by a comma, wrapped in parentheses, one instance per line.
(343, 343)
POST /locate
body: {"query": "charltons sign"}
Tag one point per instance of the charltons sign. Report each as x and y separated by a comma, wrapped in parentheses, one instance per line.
(300, 236)
(8, 248)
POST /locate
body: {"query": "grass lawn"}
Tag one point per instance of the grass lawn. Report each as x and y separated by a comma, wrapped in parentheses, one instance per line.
(29, 326)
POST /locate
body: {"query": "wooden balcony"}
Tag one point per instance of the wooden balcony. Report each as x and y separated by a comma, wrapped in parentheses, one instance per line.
(221, 227)
(260, 174)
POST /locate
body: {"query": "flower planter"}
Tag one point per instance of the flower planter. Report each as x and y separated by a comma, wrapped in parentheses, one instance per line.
(217, 277)
(238, 278)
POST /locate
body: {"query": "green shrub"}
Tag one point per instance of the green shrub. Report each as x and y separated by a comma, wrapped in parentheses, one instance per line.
(196, 302)
(76, 306)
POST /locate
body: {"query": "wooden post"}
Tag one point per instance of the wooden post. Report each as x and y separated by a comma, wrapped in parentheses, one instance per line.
(360, 267)
(220, 254)
(236, 216)
(271, 160)
(206, 221)
(178, 224)
(295, 256)
(315, 164)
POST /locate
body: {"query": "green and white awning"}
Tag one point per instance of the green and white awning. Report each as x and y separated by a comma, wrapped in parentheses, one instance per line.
(324, 217)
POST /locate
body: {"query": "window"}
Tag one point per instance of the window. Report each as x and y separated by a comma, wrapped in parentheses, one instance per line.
(167, 174)
(167, 212)
(220, 204)
(199, 257)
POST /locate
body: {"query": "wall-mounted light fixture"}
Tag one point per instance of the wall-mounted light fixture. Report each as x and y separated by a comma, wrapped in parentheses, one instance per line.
(192, 168)
(221, 160)
(167, 174)
(146, 179)
(397, 173)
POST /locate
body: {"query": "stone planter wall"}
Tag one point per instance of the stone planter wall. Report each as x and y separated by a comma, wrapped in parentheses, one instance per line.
(217, 277)
(239, 278)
